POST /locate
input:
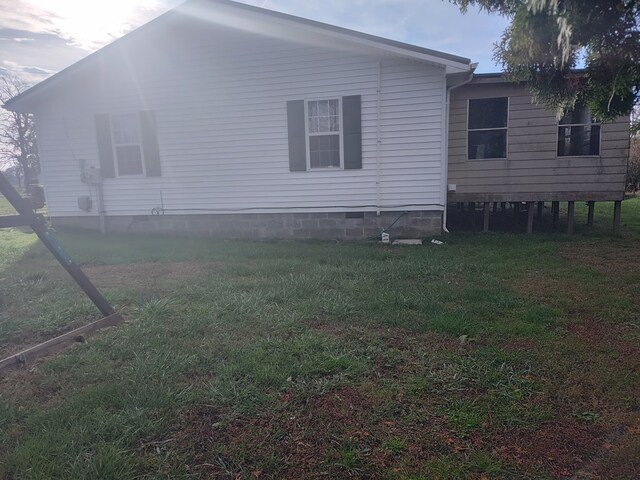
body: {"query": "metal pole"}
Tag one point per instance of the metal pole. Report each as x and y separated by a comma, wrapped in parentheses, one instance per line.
(23, 207)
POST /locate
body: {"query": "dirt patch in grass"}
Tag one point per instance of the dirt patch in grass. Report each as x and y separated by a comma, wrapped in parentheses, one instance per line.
(196, 432)
(619, 458)
(18, 387)
(556, 291)
(358, 432)
(622, 257)
(395, 337)
(149, 274)
(340, 434)
(520, 344)
(607, 337)
(558, 448)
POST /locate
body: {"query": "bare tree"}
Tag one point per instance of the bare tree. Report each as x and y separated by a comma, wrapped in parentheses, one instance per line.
(18, 149)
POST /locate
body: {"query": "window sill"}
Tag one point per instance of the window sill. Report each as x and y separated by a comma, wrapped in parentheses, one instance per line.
(577, 156)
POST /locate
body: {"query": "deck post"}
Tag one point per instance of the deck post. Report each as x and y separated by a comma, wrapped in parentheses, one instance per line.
(516, 214)
(540, 210)
(486, 217)
(555, 209)
(571, 211)
(530, 217)
(617, 208)
(460, 206)
(591, 206)
(495, 207)
(472, 212)
(503, 207)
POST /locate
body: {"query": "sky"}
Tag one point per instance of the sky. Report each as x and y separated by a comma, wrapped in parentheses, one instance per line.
(41, 37)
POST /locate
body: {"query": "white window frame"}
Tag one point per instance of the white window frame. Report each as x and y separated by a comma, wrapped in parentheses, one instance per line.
(561, 125)
(139, 145)
(319, 134)
(506, 143)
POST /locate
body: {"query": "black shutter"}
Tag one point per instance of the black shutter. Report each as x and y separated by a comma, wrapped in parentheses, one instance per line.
(149, 132)
(105, 147)
(352, 127)
(297, 136)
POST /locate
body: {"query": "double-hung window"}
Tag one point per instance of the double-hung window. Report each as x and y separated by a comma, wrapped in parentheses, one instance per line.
(127, 144)
(578, 134)
(324, 133)
(487, 128)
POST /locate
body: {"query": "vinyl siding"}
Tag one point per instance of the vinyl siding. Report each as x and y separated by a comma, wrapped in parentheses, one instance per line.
(532, 170)
(219, 97)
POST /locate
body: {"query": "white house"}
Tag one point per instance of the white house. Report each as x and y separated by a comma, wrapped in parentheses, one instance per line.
(231, 120)
(224, 119)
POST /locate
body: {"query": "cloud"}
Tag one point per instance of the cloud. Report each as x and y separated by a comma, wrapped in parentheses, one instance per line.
(29, 73)
(16, 39)
(37, 71)
(87, 24)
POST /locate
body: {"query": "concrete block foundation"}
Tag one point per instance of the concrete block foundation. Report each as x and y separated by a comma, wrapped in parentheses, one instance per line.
(268, 226)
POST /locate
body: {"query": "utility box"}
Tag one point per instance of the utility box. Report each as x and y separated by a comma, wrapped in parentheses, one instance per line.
(85, 203)
(93, 175)
(90, 175)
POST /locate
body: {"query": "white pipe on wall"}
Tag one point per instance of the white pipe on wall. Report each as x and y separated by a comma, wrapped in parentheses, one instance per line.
(378, 137)
(446, 143)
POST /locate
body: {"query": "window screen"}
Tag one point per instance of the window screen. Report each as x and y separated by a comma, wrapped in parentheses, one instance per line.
(323, 120)
(127, 144)
(487, 135)
(578, 135)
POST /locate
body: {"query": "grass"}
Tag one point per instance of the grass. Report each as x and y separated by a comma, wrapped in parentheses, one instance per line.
(5, 207)
(492, 356)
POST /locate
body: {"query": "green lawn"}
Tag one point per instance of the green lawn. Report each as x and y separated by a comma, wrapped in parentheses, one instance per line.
(5, 207)
(492, 356)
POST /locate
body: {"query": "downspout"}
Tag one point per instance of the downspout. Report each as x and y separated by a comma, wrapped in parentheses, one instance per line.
(101, 210)
(472, 68)
(378, 138)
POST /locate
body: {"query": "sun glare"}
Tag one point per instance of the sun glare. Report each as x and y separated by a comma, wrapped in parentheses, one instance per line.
(90, 23)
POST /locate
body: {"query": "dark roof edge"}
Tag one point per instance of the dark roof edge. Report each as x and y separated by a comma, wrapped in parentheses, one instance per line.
(163, 17)
(501, 77)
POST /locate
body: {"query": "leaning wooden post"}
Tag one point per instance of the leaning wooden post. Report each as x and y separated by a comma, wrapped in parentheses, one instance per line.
(617, 208)
(591, 206)
(485, 227)
(530, 217)
(555, 209)
(23, 207)
(571, 213)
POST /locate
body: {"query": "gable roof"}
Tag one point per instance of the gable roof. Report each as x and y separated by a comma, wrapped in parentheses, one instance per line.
(452, 63)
